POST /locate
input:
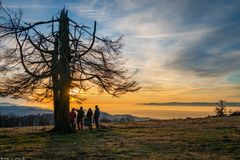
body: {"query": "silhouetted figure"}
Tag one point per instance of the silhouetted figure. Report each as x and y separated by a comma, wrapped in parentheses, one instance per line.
(88, 119)
(80, 118)
(96, 116)
(72, 117)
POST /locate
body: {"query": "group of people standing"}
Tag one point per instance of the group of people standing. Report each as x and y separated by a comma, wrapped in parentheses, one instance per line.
(78, 117)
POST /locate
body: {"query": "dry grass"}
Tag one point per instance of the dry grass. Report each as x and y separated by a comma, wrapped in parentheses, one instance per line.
(205, 138)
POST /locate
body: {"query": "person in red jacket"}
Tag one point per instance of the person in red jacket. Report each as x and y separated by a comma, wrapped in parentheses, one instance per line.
(72, 116)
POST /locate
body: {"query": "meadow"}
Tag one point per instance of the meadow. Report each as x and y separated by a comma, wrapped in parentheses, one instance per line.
(200, 138)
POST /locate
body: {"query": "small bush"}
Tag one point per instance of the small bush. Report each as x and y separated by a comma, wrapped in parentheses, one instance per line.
(236, 113)
(221, 108)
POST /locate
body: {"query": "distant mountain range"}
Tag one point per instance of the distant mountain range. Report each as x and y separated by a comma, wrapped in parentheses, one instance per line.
(232, 104)
(13, 109)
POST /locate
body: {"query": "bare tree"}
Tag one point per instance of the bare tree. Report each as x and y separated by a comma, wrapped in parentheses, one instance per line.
(221, 109)
(44, 60)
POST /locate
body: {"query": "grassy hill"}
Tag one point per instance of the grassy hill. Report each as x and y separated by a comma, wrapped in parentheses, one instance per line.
(203, 138)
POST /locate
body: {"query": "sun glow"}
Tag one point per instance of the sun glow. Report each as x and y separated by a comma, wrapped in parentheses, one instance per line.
(74, 91)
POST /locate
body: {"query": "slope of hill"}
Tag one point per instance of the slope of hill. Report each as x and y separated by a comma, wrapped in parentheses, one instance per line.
(203, 138)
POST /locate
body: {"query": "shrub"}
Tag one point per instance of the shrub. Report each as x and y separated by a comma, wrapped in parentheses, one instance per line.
(221, 108)
(236, 113)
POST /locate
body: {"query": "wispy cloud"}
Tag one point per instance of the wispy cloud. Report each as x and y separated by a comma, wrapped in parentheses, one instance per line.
(215, 54)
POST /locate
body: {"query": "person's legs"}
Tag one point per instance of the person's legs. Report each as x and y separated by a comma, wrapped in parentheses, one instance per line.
(96, 123)
(72, 123)
(78, 125)
(90, 124)
(81, 125)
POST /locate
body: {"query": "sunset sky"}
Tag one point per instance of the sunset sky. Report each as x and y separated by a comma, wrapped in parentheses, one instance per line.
(184, 50)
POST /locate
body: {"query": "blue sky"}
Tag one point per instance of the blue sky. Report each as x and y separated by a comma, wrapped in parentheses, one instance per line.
(184, 50)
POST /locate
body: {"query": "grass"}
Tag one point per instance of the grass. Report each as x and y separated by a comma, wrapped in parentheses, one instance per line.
(203, 138)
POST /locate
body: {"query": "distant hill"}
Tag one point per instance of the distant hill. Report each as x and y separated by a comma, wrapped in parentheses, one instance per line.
(105, 117)
(13, 109)
(232, 104)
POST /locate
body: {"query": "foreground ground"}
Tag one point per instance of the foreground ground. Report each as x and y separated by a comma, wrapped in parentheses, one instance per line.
(206, 138)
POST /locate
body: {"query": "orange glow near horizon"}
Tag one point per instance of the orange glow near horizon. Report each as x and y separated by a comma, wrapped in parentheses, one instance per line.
(148, 96)
(130, 103)
(93, 97)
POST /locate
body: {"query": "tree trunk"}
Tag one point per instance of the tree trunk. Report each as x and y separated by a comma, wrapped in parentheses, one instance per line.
(55, 81)
(61, 96)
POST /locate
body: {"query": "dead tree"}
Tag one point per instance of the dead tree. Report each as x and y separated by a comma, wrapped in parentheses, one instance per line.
(44, 60)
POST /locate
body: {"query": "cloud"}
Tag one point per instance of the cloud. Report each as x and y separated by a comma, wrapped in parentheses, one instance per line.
(94, 10)
(215, 54)
(30, 4)
(194, 45)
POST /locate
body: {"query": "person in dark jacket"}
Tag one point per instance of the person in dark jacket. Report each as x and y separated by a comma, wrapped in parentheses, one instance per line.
(88, 120)
(96, 116)
(80, 118)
